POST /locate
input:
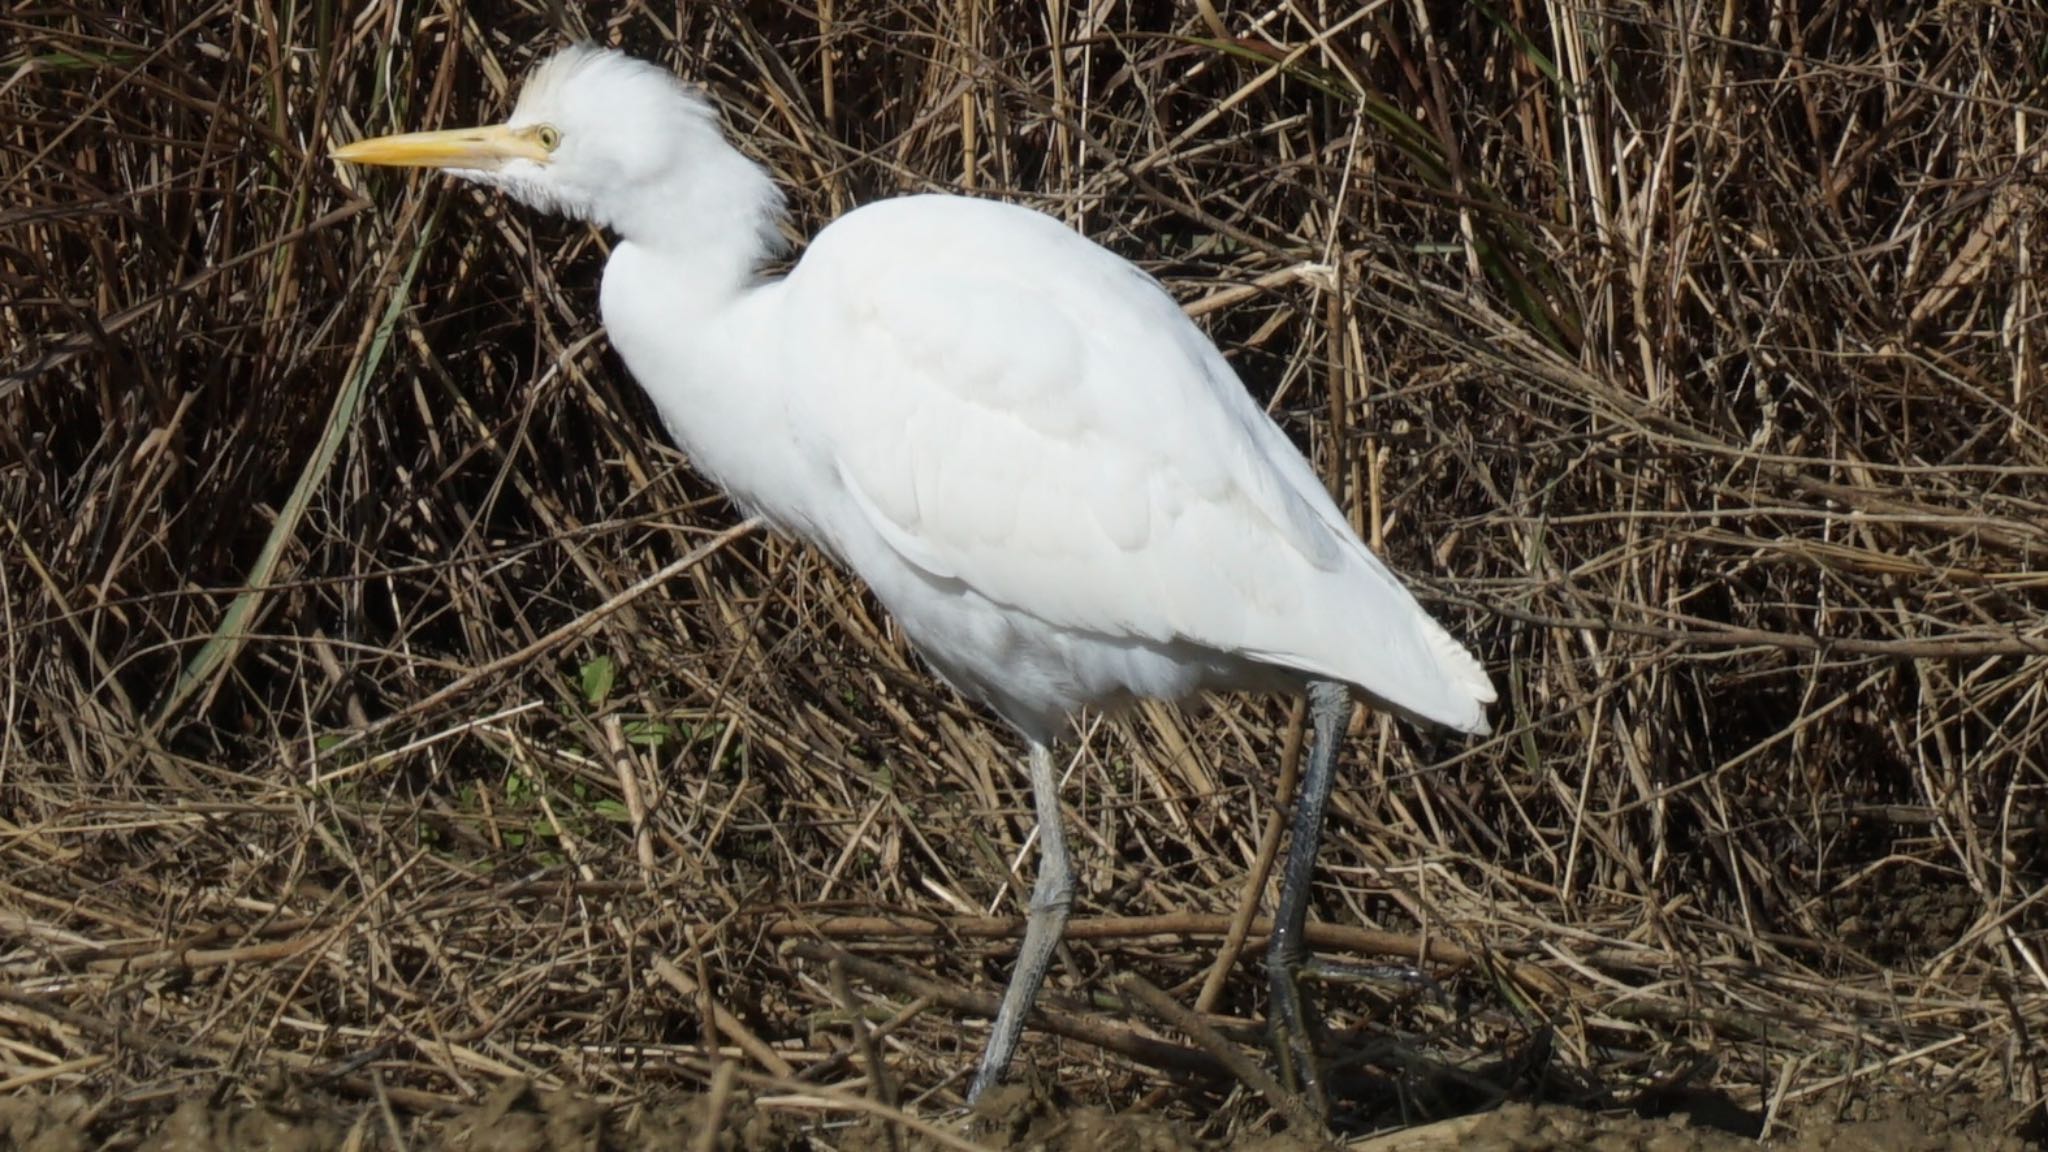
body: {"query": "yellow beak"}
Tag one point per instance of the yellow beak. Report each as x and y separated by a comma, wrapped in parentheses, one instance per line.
(485, 149)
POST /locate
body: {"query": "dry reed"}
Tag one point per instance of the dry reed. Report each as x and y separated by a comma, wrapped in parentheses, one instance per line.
(387, 705)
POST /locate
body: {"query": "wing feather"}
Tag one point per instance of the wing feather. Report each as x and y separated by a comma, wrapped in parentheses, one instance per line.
(1016, 409)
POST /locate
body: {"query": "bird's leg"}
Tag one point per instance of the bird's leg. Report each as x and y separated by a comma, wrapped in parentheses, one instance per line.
(1330, 708)
(1050, 898)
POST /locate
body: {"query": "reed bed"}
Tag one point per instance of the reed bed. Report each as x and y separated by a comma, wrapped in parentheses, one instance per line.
(390, 711)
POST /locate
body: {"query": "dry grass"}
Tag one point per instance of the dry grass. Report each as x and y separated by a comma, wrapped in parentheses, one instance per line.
(386, 704)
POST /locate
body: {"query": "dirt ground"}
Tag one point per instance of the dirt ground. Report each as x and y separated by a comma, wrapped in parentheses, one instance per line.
(519, 1119)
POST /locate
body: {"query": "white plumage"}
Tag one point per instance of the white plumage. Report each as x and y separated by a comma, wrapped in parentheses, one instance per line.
(1050, 477)
(1043, 469)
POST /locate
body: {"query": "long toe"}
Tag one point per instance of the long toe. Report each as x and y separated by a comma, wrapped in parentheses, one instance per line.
(1292, 1039)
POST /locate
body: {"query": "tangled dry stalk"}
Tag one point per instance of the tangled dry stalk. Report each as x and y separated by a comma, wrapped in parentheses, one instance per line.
(385, 704)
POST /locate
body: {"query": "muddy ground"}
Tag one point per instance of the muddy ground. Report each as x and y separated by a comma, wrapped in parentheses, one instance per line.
(518, 1118)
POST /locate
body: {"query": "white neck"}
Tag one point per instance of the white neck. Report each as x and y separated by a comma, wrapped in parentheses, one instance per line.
(717, 217)
(680, 300)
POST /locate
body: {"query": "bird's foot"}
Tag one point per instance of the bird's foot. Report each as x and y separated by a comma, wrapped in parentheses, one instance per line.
(1293, 1041)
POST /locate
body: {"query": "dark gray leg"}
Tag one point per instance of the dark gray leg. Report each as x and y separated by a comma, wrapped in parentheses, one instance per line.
(1330, 709)
(1050, 898)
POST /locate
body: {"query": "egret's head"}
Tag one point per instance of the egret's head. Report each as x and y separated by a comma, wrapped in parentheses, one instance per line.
(595, 135)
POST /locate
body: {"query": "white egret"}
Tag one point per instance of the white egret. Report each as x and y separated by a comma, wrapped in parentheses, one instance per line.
(1049, 476)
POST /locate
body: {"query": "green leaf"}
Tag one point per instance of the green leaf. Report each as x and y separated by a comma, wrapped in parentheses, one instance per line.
(649, 733)
(596, 678)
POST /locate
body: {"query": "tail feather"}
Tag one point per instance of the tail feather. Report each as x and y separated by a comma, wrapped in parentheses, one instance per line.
(1464, 671)
(1389, 646)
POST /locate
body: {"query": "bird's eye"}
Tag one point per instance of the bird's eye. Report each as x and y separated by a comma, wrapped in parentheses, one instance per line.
(549, 136)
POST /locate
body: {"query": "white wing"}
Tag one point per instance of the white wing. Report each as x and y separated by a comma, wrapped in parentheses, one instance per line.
(1015, 408)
